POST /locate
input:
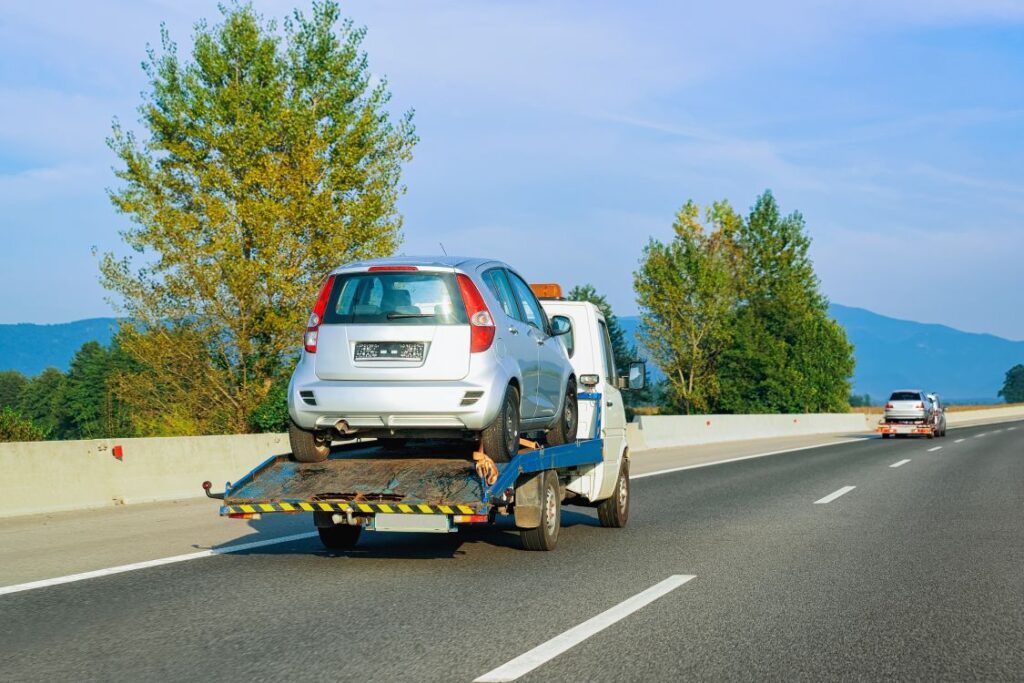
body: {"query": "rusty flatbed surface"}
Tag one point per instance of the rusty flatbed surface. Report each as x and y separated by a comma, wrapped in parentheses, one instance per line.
(368, 475)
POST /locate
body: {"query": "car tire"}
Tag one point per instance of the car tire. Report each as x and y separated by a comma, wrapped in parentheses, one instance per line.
(613, 513)
(564, 430)
(340, 536)
(500, 439)
(307, 446)
(545, 536)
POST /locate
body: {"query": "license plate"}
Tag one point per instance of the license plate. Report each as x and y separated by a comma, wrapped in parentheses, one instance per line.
(424, 524)
(389, 351)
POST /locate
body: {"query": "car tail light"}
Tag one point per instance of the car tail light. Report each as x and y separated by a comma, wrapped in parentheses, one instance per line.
(888, 406)
(317, 316)
(403, 269)
(920, 406)
(481, 324)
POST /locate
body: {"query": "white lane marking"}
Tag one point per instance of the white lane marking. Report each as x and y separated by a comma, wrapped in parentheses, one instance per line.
(997, 431)
(937, 448)
(545, 652)
(960, 440)
(742, 457)
(1010, 429)
(835, 494)
(897, 464)
(978, 436)
(70, 578)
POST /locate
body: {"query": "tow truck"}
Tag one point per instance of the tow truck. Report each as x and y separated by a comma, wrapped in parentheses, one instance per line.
(426, 487)
(926, 417)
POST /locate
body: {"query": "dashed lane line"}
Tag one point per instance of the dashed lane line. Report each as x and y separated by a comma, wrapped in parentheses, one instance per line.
(546, 651)
(960, 440)
(937, 448)
(900, 463)
(835, 494)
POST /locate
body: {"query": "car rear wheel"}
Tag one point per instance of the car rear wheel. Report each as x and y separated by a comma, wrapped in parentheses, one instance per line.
(308, 446)
(564, 430)
(500, 439)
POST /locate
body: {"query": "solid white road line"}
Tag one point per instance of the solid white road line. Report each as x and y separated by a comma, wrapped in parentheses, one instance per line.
(937, 448)
(897, 464)
(960, 440)
(835, 494)
(742, 457)
(545, 652)
(70, 578)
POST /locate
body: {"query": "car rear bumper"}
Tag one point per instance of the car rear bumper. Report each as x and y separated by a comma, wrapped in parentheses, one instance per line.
(375, 406)
(905, 415)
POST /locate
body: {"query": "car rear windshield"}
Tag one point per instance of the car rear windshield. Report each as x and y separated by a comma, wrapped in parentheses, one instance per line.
(905, 396)
(395, 298)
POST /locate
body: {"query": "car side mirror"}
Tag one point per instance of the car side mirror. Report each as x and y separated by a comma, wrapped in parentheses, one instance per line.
(560, 325)
(637, 377)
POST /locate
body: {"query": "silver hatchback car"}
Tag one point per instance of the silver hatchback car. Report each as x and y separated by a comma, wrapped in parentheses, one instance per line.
(443, 347)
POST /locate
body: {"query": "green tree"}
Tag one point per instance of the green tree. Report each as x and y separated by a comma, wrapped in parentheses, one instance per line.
(687, 293)
(92, 407)
(1013, 386)
(14, 427)
(270, 159)
(41, 402)
(12, 383)
(786, 354)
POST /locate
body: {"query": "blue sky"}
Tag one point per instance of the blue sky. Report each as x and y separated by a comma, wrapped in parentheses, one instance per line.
(561, 136)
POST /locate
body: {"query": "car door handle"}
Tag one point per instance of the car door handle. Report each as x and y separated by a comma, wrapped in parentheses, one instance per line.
(512, 330)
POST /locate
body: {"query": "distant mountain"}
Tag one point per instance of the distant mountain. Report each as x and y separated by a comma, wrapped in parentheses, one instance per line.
(30, 348)
(963, 367)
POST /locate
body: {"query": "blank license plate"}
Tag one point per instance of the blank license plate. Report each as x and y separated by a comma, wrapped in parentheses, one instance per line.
(389, 350)
(431, 524)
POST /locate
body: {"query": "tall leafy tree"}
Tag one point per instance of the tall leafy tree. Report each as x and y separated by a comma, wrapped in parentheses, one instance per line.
(12, 383)
(687, 293)
(786, 353)
(91, 404)
(42, 403)
(1013, 386)
(270, 158)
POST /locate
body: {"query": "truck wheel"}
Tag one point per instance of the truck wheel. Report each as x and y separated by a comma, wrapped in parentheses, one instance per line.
(308, 446)
(614, 512)
(545, 537)
(501, 437)
(340, 536)
(564, 430)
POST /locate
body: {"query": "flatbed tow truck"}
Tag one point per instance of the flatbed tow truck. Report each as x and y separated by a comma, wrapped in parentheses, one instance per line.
(427, 487)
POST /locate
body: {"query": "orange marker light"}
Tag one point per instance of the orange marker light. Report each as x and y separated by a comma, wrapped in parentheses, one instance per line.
(548, 290)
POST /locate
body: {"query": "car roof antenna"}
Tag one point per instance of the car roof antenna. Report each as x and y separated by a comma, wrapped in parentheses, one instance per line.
(443, 249)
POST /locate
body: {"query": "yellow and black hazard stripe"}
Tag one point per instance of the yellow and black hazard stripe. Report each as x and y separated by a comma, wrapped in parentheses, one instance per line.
(366, 508)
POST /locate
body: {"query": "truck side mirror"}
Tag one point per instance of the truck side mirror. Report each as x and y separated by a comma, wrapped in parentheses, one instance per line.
(637, 377)
(560, 325)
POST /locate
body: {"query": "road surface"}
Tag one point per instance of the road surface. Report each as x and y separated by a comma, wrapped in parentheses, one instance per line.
(869, 559)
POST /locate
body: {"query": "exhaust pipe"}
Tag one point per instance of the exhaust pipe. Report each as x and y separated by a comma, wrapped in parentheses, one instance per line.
(342, 427)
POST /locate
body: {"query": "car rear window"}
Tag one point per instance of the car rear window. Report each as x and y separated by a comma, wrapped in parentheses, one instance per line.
(905, 396)
(395, 298)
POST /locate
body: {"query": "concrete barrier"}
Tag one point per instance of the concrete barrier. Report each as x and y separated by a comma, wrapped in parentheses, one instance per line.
(664, 431)
(55, 476)
(955, 418)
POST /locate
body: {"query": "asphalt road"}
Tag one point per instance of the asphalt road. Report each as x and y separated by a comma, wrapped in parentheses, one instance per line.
(916, 573)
